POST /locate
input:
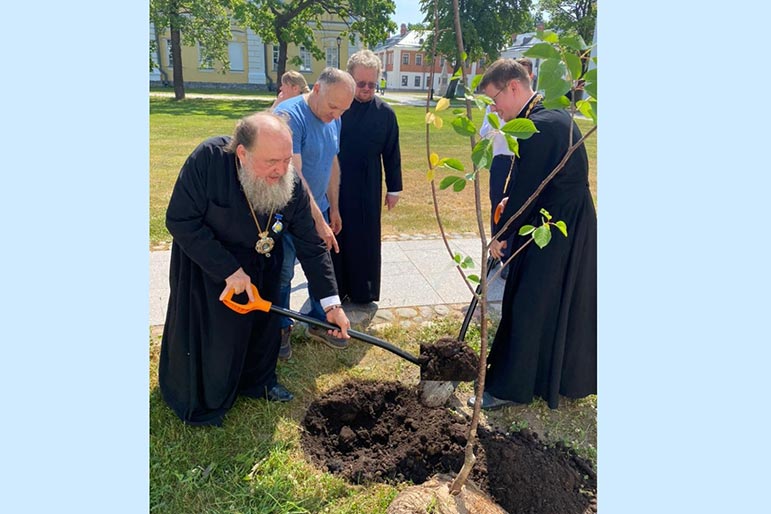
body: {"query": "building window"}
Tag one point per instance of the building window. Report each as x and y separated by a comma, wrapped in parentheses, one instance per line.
(275, 58)
(417, 80)
(305, 56)
(405, 58)
(390, 58)
(236, 55)
(419, 59)
(205, 62)
(170, 56)
(404, 80)
(332, 57)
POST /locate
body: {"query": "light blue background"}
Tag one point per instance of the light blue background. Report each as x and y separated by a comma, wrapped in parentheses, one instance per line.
(684, 273)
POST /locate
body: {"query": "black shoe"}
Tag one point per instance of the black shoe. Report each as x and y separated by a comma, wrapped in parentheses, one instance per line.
(490, 402)
(278, 393)
(320, 335)
(285, 350)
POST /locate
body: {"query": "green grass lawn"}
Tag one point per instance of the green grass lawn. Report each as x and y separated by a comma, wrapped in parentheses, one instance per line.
(177, 127)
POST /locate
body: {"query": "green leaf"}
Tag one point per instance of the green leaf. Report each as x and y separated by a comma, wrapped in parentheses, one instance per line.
(548, 35)
(457, 258)
(482, 154)
(463, 126)
(545, 214)
(542, 51)
(452, 163)
(463, 56)
(458, 74)
(526, 229)
(473, 278)
(468, 262)
(573, 41)
(521, 128)
(590, 85)
(494, 120)
(585, 107)
(591, 75)
(476, 80)
(482, 102)
(513, 144)
(542, 236)
(448, 181)
(551, 78)
(563, 228)
(459, 185)
(559, 102)
(574, 65)
(458, 111)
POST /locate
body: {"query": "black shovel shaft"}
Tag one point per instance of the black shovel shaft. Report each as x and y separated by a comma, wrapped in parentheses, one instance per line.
(353, 333)
(474, 301)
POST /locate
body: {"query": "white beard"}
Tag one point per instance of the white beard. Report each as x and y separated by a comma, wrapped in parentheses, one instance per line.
(266, 198)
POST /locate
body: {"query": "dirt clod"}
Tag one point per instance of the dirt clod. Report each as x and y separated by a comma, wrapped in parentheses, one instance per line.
(448, 359)
(397, 439)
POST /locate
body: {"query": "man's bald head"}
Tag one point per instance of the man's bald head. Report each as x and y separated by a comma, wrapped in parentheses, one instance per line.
(250, 128)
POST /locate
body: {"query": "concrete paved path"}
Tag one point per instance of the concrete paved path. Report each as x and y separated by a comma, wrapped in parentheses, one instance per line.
(414, 273)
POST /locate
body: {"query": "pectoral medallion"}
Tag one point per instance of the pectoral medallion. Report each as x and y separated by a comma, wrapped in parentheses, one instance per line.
(264, 244)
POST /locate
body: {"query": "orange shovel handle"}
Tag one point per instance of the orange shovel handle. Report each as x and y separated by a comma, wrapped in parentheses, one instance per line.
(242, 308)
(497, 214)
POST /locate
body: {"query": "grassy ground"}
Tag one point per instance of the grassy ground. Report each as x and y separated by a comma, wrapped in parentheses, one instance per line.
(176, 128)
(254, 463)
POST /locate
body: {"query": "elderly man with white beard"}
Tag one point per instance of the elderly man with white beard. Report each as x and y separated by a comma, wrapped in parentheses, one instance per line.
(234, 199)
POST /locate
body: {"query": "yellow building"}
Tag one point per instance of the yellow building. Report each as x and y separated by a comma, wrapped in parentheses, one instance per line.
(252, 63)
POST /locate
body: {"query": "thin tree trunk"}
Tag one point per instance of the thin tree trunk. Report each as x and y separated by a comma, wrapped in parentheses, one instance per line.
(176, 56)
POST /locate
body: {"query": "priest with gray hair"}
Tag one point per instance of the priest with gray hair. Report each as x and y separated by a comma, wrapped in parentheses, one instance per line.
(233, 202)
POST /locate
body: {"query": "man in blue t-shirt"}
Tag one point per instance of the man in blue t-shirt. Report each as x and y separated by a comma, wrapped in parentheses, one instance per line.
(315, 121)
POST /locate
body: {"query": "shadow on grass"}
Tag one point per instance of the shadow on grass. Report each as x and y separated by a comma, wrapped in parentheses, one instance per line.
(228, 109)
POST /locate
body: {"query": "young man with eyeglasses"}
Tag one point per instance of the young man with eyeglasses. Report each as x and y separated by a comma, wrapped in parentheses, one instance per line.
(369, 148)
(546, 341)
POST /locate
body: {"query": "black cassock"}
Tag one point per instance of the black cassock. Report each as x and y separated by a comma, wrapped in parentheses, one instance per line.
(209, 353)
(546, 343)
(369, 132)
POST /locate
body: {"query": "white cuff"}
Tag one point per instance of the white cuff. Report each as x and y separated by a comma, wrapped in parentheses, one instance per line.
(329, 301)
(393, 193)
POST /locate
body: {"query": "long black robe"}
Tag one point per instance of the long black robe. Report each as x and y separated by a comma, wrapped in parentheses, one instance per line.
(209, 353)
(546, 343)
(369, 133)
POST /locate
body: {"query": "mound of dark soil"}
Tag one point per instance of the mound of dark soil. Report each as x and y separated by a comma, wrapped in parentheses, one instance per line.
(375, 431)
(448, 359)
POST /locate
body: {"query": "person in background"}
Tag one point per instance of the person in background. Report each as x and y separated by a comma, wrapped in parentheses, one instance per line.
(234, 201)
(314, 118)
(546, 341)
(292, 84)
(369, 145)
(382, 85)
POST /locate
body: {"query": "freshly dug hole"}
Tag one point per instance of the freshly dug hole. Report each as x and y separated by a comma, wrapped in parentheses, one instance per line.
(380, 432)
(448, 359)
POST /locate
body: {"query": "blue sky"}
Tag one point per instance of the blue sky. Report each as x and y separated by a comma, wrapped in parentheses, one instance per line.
(407, 11)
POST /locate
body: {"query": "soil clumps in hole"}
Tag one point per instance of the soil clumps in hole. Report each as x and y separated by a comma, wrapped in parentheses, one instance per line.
(380, 432)
(448, 359)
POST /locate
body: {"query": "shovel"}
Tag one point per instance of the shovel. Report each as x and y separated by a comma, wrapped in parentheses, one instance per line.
(259, 304)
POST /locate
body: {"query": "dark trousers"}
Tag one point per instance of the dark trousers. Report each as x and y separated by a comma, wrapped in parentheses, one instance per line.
(499, 170)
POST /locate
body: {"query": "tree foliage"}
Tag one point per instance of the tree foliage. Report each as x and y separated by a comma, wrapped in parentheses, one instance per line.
(569, 15)
(487, 26)
(283, 22)
(202, 22)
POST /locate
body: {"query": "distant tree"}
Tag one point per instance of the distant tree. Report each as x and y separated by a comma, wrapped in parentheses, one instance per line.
(417, 26)
(569, 15)
(487, 26)
(202, 22)
(292, 21)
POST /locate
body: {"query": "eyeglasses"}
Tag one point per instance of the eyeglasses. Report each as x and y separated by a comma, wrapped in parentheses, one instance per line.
(363, 84)
(496, 95)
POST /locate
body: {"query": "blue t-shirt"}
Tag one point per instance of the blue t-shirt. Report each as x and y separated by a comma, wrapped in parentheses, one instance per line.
(316, 142)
